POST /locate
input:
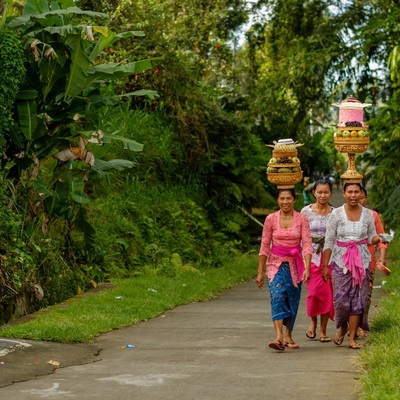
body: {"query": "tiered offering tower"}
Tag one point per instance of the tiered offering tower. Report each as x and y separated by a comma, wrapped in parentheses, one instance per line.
(352, 135)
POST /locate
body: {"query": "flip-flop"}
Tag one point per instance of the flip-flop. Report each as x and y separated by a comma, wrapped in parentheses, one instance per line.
(325, 339)
(311, 334)
(276, 345)
(338, 340)
(291, 345)
(355, 346)
(362, 333)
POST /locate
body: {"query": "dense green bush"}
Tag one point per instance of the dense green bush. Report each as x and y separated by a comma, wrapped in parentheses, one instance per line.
(12, 72)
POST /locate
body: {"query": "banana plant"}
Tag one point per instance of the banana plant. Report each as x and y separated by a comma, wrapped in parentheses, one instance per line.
(64, 79)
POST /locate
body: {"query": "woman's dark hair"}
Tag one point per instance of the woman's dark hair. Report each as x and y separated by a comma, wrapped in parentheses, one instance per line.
(279, 191)
(347, 184)
(363, 190)
(323, 181)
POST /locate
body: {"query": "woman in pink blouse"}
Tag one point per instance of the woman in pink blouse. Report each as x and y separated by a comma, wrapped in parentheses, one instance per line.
(285, 239)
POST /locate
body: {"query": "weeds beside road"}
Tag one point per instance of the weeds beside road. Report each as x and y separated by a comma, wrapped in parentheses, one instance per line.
(130, 300)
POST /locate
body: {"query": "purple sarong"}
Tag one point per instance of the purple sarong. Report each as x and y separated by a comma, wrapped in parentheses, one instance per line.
(349, 299)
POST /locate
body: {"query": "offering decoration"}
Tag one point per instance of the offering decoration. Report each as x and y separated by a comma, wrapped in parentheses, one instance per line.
(284, 168)
(352, 135)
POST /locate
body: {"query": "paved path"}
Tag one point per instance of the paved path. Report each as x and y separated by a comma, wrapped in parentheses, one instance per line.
(204, 351)
(214, 350)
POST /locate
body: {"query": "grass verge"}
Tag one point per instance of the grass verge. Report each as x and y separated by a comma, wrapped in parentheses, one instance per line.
(131, 300)
(380, 359)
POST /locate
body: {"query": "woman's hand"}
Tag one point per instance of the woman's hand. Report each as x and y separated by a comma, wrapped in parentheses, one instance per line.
(325, 273)
(306, 275)
(260, 280)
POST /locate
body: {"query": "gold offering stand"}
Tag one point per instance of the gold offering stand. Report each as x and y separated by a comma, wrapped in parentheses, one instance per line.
(351, 146)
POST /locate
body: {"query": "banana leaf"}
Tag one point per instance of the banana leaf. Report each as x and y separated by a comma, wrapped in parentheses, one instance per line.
(27, 117)
(76, 79)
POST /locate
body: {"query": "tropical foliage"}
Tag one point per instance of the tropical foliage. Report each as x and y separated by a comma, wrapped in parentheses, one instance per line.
(134, 132)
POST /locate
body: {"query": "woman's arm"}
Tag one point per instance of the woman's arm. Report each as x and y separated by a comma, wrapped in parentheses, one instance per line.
(326, 256)
(306, 243)
(266, 236)
(306, 273)
(266, 239)
(261, 271)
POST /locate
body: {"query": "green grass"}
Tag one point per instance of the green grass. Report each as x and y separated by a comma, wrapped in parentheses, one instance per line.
(131, 300)
(380, 360)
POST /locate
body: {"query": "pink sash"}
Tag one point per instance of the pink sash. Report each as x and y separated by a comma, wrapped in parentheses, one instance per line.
(284, 251)
(352, 260)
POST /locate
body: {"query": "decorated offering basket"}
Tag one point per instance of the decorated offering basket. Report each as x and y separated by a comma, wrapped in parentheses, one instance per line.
(285, 179)
(351, 145)
(284, 168)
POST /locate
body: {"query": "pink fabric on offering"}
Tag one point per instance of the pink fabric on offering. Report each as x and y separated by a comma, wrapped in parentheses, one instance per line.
(351, 114)
(352, 260)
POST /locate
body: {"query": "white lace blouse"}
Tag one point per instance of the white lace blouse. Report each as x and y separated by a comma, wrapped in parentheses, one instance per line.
(340, 228)
(318, 229)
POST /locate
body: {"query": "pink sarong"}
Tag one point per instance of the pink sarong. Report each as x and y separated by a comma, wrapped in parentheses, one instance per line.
(319, 294)
(352, 260)
(295, 252)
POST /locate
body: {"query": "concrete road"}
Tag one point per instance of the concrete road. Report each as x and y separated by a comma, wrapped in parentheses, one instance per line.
(204, 351)
(215, 350)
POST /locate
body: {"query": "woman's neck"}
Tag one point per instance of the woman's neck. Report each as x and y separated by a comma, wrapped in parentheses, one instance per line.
(321, 209)
(352, 208)
(287, 213)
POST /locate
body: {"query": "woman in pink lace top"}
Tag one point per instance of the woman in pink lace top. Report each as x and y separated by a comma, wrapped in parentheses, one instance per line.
(286, 240)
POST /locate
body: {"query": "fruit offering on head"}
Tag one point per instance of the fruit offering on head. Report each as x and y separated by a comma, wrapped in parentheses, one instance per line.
(354, 134)
(339, 134)
(285, 160)
(346, 134)
(295, 159)
(273, 160)
(284, 170)
(354, 124)
(361, 133)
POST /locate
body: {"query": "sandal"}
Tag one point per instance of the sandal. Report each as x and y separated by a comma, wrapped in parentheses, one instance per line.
(311, 334)
(325, 339)
(276, 345)
(292, 345)
(355, 346)
(338, 340)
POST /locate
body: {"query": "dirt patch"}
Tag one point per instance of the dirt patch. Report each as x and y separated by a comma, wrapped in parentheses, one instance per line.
(42, 358)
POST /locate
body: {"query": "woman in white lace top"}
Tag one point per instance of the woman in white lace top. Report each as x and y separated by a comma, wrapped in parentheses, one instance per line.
(349, 229)
(319, 300)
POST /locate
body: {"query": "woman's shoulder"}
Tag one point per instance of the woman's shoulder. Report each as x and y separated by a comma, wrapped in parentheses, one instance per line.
(337, 210)
(271, 217)
(367, 212)
(306, 209)
(299, 216)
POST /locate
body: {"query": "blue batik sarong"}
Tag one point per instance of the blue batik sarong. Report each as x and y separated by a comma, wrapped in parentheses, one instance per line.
(285, 297)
